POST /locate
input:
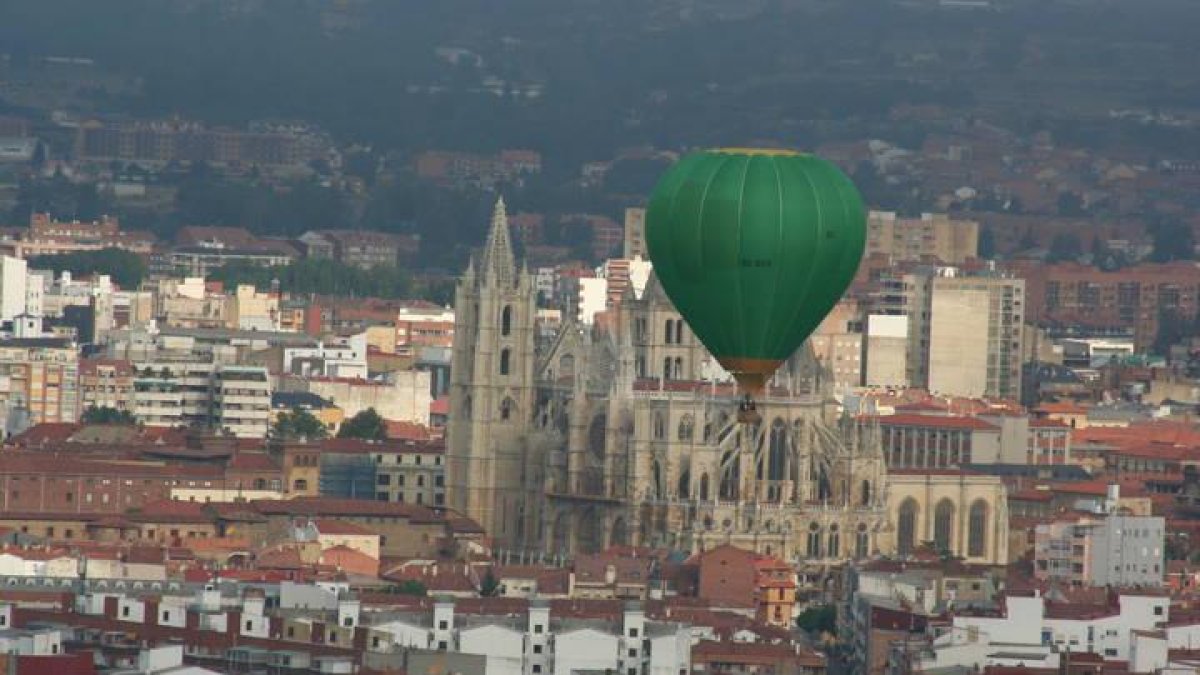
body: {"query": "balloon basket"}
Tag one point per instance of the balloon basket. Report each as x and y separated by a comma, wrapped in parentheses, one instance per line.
(748, 412)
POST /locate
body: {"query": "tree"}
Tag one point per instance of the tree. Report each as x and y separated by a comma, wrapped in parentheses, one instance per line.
(367, 425)
(1065, 246)
(411, 587)
(819, 619)
(298, 424)
(987, 243)
(490, 586)
(125, 268)
(1028, 240)
(1172, 240)
(106, 415)
(1070, 204)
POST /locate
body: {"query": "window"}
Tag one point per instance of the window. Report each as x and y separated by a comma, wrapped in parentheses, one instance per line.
(861, 542)
(814, 540)
(442, 646)
(1158, 610)
(537, 668)
(125, 611)
(249, 625)
(506, 321)
(507, 406)
(291, 632)
(633, 632)
(348, 622)
(383, 479)
(166, 616)
(633, 653)
(537, 649)
(537, 629)
(505, 357)
(375, 642)
(943, 526)
(442, 625)
(907, 527)
(977, 528)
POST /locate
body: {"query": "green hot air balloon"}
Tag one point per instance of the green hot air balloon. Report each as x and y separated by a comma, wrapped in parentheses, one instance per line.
(754, 247)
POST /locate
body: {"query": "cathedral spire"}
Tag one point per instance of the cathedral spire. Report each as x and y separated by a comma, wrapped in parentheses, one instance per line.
(498, 262)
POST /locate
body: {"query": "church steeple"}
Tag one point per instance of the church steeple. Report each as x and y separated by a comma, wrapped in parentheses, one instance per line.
(499, 264)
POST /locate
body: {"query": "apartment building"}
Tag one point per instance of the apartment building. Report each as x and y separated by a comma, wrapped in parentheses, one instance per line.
(188, 393)
(933, 236)
(40, 377)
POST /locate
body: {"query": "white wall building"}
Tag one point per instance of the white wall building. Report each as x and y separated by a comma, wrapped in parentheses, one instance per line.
(539, 644)
(13, 273)
(1027, 624)
(346, 358)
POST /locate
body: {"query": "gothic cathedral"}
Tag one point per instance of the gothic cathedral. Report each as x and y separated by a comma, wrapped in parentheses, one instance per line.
(583, 438)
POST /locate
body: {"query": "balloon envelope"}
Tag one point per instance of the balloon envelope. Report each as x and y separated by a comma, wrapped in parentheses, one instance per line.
(754, 247)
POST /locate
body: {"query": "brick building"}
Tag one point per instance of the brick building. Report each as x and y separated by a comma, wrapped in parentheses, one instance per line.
(1070, 294)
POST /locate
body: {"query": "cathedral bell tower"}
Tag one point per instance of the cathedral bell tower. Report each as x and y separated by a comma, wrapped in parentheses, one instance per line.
(492, 388)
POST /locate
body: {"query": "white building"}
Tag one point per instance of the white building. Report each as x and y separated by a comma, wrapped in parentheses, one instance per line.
(13, 273)
(345, 358)
(593, 298)
(538, 643)
(1030, 625)
(170, 394)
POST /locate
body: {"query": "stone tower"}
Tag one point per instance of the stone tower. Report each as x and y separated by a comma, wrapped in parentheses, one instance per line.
(492, 387)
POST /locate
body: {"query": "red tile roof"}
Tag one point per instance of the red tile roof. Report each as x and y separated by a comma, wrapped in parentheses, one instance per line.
(326, 526)
(391, 446)
(344, 508)
(440, 406)
(406, 431)
(252, 461)
(935, 422)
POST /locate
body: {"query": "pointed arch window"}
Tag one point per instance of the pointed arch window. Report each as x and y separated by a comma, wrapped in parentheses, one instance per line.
(657, 485)
(814, 541)
(508, 409)
(506, 321)
(684, 489)
(861, 541)
(660, 426)
(943, 526)
(685, 428)
(704, 486)
(906, 535)
(866, 493)
(977, 529)
(835, 541)
(505, 360)
(669, 331)
(667, 368)
(678, 368)
(679, 332)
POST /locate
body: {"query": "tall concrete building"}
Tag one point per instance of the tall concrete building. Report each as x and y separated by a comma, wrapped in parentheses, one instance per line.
(963, 333)
(635, 234)
(1106, 549)
(13, 300)
(587, 437)
(934, 237)
(838, 344)
(976, 336)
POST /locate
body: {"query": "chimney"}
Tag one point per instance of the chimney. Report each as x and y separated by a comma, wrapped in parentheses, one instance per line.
(1112, 499)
